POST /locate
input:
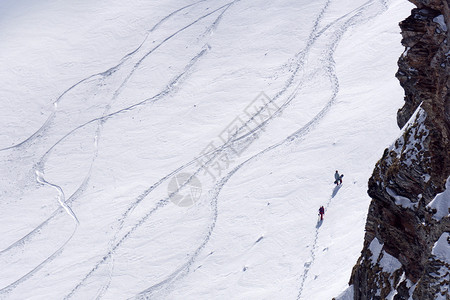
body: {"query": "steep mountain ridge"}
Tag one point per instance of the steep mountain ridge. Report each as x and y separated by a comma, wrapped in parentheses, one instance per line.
(405, 227)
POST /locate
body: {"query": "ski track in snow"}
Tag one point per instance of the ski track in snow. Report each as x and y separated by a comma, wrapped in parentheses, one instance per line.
(64, 206)
(103, 118)
(40, 165)
(153, 99)
(147, 192)
(61, 197)
(40, 132)
(4, 291)
(163, 287)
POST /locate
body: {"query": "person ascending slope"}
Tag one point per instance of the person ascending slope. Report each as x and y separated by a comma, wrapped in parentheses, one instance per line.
(338, 178)
(321, 212)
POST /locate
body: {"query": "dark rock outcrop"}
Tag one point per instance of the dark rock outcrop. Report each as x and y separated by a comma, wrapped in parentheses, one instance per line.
(397, 260)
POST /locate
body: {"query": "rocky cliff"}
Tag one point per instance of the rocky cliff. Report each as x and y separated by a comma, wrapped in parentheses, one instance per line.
(406, 248)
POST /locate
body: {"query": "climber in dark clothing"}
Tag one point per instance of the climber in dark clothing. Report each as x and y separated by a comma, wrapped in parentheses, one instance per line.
(321, 212)
(338, 178)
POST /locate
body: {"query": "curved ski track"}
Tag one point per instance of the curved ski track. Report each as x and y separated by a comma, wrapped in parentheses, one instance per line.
(40, 165)
(106, 73)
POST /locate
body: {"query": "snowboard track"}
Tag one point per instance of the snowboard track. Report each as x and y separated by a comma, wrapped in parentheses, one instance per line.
(104, 74)
(147, 192)
(79, 191)
(104, 117)
(40, 165)
(4, 291)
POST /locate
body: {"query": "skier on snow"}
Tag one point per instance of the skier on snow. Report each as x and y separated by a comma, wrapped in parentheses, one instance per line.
(321, 212)
(338, 178)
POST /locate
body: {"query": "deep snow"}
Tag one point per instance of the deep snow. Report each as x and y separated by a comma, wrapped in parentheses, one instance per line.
(104, 102)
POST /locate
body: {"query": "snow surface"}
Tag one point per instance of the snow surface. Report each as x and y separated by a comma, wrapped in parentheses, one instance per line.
(441, 203)
(348, 294)
(389, 264)
(375, 247)
(441, 248)
(104, 102)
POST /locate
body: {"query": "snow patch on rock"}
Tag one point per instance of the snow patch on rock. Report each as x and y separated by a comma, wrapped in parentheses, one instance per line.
(440, 20)
(441, 248)
(348, 294)
(441, 203)
(401, 201)
(389, 263)
(407, 149)
(375, 247)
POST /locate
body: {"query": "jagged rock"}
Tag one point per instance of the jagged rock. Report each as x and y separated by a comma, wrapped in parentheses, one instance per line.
(400, 230)
(420, 63)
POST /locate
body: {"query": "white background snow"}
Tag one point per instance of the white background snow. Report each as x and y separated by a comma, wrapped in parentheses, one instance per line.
(103, 102)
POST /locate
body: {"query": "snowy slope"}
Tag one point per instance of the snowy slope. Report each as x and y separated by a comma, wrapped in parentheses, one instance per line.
(105, 102)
